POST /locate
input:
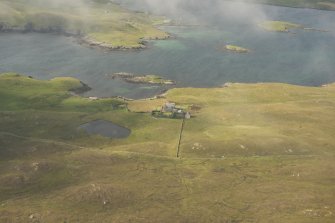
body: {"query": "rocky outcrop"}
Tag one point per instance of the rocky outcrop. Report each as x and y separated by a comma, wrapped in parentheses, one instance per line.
(236, 49)
(144, 79)
(82, 89)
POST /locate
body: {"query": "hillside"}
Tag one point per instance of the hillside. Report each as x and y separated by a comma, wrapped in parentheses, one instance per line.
(250, 153)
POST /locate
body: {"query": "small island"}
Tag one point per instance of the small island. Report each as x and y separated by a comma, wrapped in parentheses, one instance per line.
(236, 49)
(143, 79)
(279, 26)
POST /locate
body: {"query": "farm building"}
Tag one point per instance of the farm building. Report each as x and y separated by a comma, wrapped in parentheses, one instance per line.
(170, 110)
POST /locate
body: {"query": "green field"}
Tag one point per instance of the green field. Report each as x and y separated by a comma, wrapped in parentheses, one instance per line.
(250, 153)
(97, 23)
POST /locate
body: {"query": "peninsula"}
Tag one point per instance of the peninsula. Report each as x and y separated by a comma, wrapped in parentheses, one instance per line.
(105, 24)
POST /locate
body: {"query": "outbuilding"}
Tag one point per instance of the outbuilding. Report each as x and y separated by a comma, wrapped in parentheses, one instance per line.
(187, 115)
(169, 107)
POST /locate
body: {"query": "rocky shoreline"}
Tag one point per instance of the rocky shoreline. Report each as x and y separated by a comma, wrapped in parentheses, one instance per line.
(161, 94)
(236, 49)
(82, 89)
(144, 79)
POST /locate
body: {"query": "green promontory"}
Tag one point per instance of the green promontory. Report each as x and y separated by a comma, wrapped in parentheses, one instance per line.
(21, 92)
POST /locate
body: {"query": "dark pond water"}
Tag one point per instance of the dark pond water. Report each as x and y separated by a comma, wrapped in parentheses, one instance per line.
(194, 58)
(106, 129)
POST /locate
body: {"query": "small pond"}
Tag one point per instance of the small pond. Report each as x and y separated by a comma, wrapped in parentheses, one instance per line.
(105, 128)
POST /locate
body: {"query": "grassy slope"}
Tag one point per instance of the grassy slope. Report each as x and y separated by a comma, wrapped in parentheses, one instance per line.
(99, 22)
(276, 140)
(259, 119)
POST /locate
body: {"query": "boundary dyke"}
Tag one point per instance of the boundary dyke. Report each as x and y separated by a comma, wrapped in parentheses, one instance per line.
(180, 137)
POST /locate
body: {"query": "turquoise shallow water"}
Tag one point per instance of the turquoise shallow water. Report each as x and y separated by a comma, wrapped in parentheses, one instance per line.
(194, 58)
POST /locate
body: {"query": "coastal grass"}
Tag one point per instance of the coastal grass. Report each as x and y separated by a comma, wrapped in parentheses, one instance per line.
(250, 153)
(21, 92)
(147, 105)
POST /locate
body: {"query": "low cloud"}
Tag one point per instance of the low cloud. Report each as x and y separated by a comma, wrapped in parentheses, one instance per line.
(209, 10)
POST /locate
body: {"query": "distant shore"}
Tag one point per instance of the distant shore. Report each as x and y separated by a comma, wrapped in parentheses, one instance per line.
(85, 40)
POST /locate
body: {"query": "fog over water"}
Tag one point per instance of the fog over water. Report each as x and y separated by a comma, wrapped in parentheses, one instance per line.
(195, 57)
